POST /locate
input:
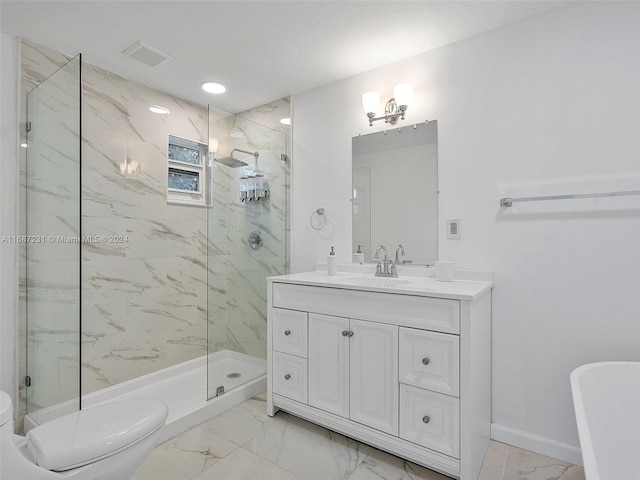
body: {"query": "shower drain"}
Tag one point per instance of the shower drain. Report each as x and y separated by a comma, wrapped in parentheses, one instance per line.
(233, 375)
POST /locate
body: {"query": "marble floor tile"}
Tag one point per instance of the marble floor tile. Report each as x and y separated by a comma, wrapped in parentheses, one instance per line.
(241, 423)
(488, 472)
(309, 451)
(525, 465)
(187, 455)
(381, 465)
(246, 444)
(244, 465)
(496, 456)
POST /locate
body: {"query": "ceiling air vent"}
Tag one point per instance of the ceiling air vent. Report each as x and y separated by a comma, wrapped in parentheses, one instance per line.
(147, 54)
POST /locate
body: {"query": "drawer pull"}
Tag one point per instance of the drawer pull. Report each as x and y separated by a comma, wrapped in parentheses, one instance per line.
(287, 332)
(287, 377)
(426, 419)
(425, 361)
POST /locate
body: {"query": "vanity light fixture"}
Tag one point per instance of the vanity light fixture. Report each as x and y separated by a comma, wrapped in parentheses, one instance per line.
(394, 109)
(159, 110)
(213, 87)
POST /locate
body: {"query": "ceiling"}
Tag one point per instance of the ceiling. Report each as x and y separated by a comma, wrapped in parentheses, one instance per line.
(260, 50)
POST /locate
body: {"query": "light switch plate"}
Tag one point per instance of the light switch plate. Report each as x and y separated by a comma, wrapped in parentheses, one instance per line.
(453, 228)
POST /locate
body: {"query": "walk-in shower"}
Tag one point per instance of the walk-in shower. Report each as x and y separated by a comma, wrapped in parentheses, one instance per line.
(136, 293)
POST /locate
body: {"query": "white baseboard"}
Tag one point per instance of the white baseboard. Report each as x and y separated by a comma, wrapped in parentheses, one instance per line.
(536, 443)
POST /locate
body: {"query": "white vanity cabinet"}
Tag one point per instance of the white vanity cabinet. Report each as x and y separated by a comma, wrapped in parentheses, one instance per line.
(353, 370)
(404, 366)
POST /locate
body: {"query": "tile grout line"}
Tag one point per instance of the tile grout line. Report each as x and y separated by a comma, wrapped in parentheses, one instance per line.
(504, 464)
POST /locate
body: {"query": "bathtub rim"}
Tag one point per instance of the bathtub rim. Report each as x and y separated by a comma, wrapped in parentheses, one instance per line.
(589, 459)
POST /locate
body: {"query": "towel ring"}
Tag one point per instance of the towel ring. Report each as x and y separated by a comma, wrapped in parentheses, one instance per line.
(320, 213)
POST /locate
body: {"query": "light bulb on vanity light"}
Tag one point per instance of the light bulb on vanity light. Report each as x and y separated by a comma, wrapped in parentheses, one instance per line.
(370, 103)
(403, 94)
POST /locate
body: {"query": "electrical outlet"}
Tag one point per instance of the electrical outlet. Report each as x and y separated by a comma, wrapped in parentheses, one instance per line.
(453, 228)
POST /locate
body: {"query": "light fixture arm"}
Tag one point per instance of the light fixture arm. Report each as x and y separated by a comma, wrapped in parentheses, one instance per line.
(392, 113)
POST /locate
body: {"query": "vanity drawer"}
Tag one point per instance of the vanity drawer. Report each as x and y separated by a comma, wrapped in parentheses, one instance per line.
(290, 376)
(430, 360)
(289, 331)
(430, 419)
(442, 315)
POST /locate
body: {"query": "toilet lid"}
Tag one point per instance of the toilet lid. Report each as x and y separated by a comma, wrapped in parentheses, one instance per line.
(6, 410)
(90, 435)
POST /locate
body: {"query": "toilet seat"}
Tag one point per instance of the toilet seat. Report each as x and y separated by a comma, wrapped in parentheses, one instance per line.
(90, 435)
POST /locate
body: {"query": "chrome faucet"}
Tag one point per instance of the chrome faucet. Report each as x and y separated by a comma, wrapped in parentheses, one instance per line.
(384, 268)
(399, 251)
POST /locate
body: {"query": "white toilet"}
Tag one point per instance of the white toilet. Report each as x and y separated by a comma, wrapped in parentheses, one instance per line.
(105, 442)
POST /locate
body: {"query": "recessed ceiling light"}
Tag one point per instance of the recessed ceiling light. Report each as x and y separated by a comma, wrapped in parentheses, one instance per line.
(285, 121)
(213, 87)
(160, 110)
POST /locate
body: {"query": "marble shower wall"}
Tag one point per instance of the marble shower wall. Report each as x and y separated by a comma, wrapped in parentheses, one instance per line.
(241, 324)
(143, 295)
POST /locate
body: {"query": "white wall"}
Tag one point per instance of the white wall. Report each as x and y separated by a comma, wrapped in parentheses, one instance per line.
(548, 105)
(8, 191)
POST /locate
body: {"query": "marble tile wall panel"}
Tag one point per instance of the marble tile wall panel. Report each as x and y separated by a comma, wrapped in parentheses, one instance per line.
(247, 269)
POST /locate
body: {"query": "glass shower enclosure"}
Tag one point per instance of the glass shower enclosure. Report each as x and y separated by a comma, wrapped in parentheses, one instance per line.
(95, 315)
(51, 247)
(247, 242)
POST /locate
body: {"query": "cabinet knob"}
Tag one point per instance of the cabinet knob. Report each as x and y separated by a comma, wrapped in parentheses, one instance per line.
(287, 332)
(287, 377)
(426, 419)
(425, 361)
(349, 334)
(345, 333)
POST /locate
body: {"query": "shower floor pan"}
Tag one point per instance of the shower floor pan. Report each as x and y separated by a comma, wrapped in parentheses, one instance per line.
(183, 388)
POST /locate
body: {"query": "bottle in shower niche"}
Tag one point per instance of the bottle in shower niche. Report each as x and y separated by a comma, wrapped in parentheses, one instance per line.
(332, 262)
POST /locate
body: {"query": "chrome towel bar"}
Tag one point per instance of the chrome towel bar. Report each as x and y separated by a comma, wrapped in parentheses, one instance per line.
(508, 201)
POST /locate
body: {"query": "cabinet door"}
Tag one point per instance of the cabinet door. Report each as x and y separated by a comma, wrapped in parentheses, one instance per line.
(329, 363)
(374, 375)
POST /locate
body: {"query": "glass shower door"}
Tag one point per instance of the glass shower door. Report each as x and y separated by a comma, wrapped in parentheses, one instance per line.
(246, 244)
(52, 244)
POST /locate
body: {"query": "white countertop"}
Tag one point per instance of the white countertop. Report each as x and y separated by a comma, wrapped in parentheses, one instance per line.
(426, 286)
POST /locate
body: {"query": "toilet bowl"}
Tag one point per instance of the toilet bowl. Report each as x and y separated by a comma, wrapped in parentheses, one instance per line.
(105, 442)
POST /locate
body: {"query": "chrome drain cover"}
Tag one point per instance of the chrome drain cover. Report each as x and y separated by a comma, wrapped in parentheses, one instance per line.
(233, 375)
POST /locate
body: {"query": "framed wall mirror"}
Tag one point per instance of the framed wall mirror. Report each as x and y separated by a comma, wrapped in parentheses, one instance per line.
(395, 193)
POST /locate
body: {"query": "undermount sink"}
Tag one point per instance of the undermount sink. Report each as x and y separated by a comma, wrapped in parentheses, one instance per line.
(387, 282)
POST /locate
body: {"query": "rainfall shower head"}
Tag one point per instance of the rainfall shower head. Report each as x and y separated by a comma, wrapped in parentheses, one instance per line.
(231, 162)
(234, 162)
